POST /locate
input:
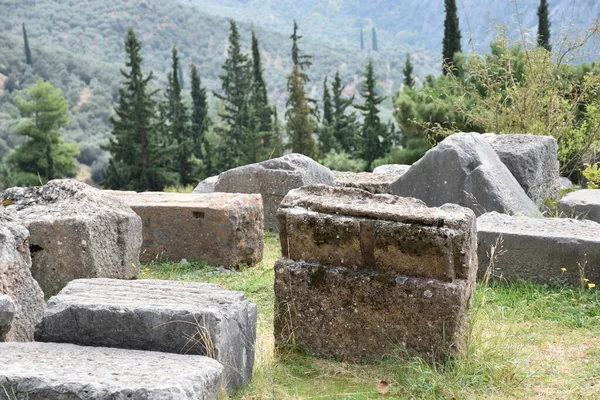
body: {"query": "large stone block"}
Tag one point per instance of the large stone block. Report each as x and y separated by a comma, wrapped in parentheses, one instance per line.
(537, 249)
(167, 316)
(363, 274)
(533, 161)
(206, 186)
(377, 183)
(23, 297)
(581, 204)
(273, 179)
(464, 169)
(398, 169)
(77, 232)
(219, 228)
(42, 371)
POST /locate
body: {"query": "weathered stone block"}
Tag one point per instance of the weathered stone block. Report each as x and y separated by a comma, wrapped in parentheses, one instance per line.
(536, 249)
(378, 183)
(533, 161)
(167, 316)
(363, 274)
(219, 228)
(207, 185)
(16, 282)
(398, 169)
(77, 232)
(581, 204)
(273, 179)
(42, 371)
(464, 169)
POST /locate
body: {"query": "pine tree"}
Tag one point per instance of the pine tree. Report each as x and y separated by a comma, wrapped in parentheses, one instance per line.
(140, 157)
(452, 36)
(199, 119)
(44, 153)
(374, 143)
(236, 86)
(27, 49)
(543, 36)
(362, 41)
(300, 122)
(374, 37)
(344, 124)
(409, 81)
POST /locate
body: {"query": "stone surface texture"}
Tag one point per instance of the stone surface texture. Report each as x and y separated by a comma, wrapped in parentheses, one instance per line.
(533, 161)
(43, 371)
(219, 228)
(583, 203)
(77, 231)
(167, 316)
(16, 281)
(273, 179)
(564, 183)
(207, 185)
(398, 169)
(8, 309)
(371, 182)
(536, 249)
(362, 275)
(464, 169)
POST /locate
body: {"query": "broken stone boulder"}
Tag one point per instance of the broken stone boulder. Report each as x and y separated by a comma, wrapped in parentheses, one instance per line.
(20, 294)
(564, 183)
(219, 228)
(273, 179)
(464, 169)
(40, 371)
(533, 161)
(77, 231)
(583, 203)
(363, 275)
(398, 169)
(371, 182)
(207, 185)
(537, 249)
(166, 316)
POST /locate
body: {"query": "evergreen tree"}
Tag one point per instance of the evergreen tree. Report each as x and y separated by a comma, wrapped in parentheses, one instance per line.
(277, 144)
(27, 49)
(302, 61)
(374, 140)
(177, 125)
(362, 40)
(180, 75)
(327, 140)
(374, 37)
(236, 85)
(543, 36)
(327, 107)
(300, 121)
(344, 124)
(452, 36)
(409, 81)
(199, 119)
(140, 157)
(44, 154)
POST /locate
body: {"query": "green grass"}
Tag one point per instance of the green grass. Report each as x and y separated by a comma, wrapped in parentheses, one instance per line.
(524, 341)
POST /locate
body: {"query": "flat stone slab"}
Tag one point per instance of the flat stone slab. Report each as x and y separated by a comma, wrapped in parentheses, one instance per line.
(42, 371)
(378, 183)
(167, 316)
(537, 249)
(398, 169)
(219, 228)
(581, 204)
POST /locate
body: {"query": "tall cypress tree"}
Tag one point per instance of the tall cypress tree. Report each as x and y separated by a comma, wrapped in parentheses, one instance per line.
(452, 36)
(344, 123)
(327, 140)
(409, 81)
(199, 119)
(374, 38)
(140, 157)
(374, 134)
(543, 36)
(362, 40)
(301, 60)
(27, 49)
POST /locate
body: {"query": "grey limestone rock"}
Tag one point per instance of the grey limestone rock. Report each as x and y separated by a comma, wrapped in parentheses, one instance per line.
(8, 309)
(371, 182)
(583, 203)
(207, 185)
(43, 371)
(77, 231)
(464, 169)
(166, 316)
(564, 183)
(398, 169)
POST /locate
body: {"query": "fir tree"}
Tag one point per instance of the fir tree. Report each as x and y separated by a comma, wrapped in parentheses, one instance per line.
(362, 41)
(543, 36)
(27, 49)
(374, 37)
(344, 124)
(199, 119)
(140, 157)
(452, 36)
(409, 81)
(300, 121)
(260, 104)
(374, 140)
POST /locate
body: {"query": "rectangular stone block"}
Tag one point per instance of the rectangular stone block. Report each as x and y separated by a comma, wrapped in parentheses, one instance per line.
(581, 204)
(219, 228)
(378, 183)
(167, 316)
(42, 371)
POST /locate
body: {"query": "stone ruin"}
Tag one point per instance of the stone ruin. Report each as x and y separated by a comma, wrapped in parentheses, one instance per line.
(363, 275)
(377, 183)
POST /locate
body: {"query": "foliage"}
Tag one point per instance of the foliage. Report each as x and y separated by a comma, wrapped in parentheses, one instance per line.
(409, 80)
(452, 36)
(543, 35)
(300, 123)
(341, 161)
(592, 175)
(44, 155)
(200, 121)
(26, 46)
(345, 126)
(414, 150)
